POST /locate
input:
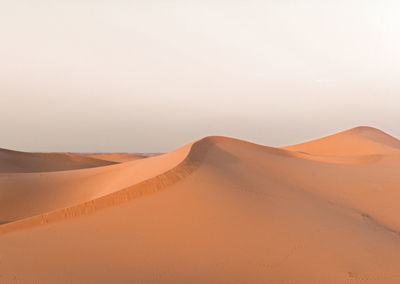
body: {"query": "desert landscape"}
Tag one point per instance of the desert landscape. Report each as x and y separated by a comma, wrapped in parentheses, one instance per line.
(199, 142)
(218, 210)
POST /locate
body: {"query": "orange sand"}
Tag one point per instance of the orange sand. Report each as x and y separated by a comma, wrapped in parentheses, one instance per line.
(218, 210)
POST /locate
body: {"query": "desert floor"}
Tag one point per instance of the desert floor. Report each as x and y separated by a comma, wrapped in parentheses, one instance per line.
(218, 210)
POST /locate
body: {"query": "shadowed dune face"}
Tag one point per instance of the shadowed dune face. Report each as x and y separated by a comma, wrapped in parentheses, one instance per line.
(218, 210)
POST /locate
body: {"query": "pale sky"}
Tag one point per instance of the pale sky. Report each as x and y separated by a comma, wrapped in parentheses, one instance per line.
(153, 75)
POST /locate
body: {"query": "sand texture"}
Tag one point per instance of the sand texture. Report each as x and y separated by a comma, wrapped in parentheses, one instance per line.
(218, 210)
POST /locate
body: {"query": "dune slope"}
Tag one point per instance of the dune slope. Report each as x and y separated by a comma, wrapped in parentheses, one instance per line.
(24, 195)
(219, 210)
(25, 162)
(361, 140)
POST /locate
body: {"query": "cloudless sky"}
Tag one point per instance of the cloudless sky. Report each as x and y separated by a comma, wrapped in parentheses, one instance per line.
(150, 76)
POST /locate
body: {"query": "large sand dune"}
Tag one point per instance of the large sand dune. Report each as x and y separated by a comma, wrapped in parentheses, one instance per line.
(218, 210)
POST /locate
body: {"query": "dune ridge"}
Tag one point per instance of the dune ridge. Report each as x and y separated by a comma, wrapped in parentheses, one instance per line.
(191, 161)
(149, 186)
(56, 190)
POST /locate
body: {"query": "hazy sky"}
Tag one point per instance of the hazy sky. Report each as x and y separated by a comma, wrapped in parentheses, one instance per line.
(152, 75)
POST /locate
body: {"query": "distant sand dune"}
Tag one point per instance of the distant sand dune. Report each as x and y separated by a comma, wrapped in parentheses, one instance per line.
(118, 158)
(24, 162)
(218, 210)
(361, 140)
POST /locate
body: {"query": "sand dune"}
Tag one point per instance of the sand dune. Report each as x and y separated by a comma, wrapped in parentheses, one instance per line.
(24, 162)
(38, 193)
(218, 210)
(118, 158)
(361, 140)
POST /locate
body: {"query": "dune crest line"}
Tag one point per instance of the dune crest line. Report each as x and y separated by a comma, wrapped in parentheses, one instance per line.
(152, 185)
